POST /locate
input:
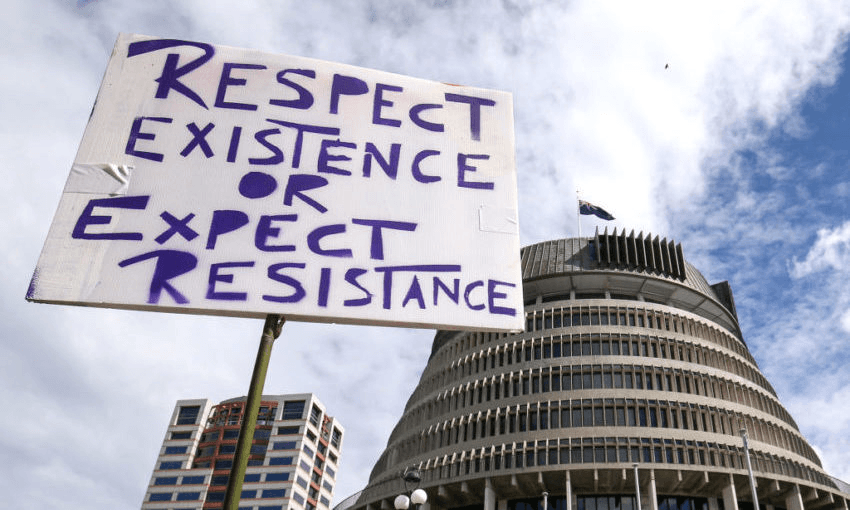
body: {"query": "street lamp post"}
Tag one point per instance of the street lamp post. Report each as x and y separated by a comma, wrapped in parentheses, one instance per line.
(417, 496)
(750, 469)
(637, 485)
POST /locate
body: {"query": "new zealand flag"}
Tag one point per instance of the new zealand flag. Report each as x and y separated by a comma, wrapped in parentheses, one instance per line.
(588, 208)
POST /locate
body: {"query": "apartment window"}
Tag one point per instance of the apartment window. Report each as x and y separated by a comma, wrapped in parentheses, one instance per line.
(215, 497)
(188, 496)
(285, 431)
(277, 477)
(293, 410)
(234, 416)
(224, 464)
(188, 415)
(274, 493)
(192, 480)
(336, 438)
(315, 416)
(248, 494)
(166, 480)
(170, 464)
(280, 461)
(181, 435)
(160, 496)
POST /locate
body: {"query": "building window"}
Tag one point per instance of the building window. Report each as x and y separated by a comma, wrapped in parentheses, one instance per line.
(315, 415)
(166, 480)
(160, 496)
(285, 431)
(336, 438)
(283, 445)
(277, 477)
(224, 464)
(293, 410)
(215, 497)
(274, 493)
(188, 415)
(188, 496)
(170, 464)
(248, 494)
(280, 461)
(181, 435)
(192, 480)
(209, 436)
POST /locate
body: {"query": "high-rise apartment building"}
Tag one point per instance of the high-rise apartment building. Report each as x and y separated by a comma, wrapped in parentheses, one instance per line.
(630, 362)
(292, 465)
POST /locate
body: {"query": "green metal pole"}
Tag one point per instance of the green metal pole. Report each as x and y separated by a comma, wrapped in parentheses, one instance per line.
(271, 331)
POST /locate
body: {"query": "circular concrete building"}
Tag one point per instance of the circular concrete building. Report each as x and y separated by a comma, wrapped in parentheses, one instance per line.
(631, 363)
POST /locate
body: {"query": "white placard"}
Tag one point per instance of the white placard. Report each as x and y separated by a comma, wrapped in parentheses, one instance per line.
(217, 180)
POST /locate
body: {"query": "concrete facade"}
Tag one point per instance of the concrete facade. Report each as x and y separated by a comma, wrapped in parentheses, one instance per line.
(292, 465)
(629, 356)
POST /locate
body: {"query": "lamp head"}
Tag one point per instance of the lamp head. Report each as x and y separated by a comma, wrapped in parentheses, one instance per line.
(418, 497)
(401, 502)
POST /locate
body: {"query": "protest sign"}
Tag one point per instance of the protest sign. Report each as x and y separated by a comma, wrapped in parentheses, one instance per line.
(217, 180)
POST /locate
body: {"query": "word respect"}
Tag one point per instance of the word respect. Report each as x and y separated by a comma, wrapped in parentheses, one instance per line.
(236, 91)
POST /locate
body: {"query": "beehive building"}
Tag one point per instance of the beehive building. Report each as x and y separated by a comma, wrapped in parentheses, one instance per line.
(629, 358)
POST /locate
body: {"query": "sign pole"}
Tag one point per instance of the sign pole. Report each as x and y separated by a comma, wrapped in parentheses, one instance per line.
(271, 330)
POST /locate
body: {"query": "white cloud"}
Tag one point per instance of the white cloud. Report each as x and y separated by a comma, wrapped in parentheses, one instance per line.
(831, 250)
(595, 110)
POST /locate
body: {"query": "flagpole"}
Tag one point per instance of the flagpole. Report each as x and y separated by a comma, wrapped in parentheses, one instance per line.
(578, 214)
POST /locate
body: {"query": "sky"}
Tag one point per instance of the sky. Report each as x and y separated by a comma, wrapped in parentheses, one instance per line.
(719, 124)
